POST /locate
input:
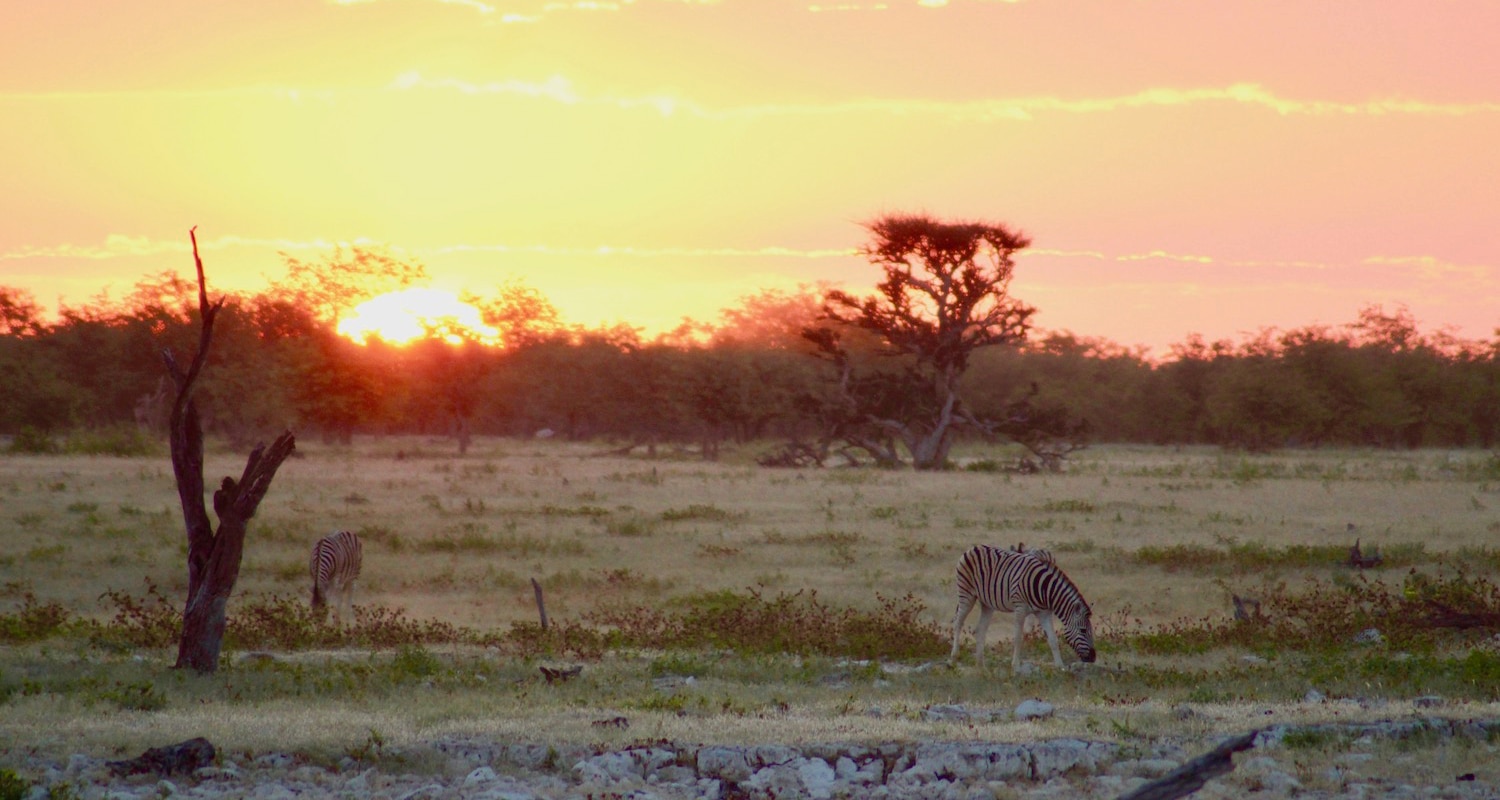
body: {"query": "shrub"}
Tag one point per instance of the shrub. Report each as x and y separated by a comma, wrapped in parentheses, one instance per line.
(122, 440)
(152, 621)
(12, 786)
(33, 621)
(788, 623)
(33, 441)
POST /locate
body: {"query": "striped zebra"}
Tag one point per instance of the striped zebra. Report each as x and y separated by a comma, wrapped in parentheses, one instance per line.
(1026, 583)
(335, 564)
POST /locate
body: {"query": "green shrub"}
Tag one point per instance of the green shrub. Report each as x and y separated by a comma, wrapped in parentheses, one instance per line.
(33, 621)
(12, 786)
(796, 623)
(121, 440)
(32, 441)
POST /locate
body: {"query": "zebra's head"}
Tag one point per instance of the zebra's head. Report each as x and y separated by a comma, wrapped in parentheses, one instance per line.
(1078, 631)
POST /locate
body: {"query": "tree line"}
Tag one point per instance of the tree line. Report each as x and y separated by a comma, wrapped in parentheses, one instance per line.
(939, 353)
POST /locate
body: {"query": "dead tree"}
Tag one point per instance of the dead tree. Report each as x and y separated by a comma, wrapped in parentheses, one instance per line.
(1247, 609)
(213, 556)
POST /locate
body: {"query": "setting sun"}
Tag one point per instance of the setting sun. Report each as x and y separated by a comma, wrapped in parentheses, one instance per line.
(643, 162)
(407, 315)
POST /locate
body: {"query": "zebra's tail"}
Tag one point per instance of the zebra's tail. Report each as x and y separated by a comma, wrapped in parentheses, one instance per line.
(318, 598)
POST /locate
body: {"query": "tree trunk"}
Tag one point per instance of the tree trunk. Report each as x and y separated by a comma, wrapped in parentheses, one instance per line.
(213, 558)
(929, 451)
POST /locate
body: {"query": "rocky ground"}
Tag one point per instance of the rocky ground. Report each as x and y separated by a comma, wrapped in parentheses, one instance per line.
(469, 767)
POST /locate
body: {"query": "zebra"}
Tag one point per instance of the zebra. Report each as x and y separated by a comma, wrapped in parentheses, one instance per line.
(1045, 556)
(1025, 583)
(335, 564)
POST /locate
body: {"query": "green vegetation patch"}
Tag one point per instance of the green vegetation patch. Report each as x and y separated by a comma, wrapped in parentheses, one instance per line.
(1333, 617)
(795, 622)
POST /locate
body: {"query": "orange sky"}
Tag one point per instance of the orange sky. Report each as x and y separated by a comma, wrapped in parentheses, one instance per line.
(1209, 166)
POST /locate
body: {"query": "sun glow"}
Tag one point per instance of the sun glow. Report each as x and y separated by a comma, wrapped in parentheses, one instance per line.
(405, 316)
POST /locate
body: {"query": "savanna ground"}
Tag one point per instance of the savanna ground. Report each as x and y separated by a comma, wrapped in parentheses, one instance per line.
(722, 602)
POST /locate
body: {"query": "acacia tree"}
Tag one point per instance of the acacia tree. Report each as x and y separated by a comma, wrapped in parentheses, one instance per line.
(213, 556)
(945, 295)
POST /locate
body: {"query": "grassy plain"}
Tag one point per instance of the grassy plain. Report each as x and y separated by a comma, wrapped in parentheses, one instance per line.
(1156, 538)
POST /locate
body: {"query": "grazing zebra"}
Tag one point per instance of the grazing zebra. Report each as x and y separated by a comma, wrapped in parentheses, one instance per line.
(1025, 583)
(335, 564)
(1045, 556)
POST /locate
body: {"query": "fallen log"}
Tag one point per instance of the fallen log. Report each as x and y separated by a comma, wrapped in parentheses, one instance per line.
(1191, 776)
(184, 757)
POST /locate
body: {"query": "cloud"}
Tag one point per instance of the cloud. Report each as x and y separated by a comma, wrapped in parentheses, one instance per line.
(125, 246)
(1419, 267)
(1434, 268)
(650, 252)
(560, 89)
(538, 10)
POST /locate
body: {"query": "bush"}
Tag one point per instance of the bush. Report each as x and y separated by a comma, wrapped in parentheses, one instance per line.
(120, 440)
(789, 623)
(33, 621)
(12, 786)
(32, 441)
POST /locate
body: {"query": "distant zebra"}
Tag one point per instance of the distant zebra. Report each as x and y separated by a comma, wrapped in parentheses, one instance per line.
(335, 564)
(1025, 583)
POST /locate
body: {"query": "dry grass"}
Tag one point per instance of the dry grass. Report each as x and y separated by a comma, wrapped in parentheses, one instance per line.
(458, 539)
(1152, 537)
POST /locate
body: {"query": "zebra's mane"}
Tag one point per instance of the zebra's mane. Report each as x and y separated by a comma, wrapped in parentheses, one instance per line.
(1049, 564)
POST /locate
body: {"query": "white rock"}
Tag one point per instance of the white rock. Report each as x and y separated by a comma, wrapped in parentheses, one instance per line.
(478, 776)
(817, 777)
(1033, 709)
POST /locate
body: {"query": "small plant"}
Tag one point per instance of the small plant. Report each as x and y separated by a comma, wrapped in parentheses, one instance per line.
(413, 661)
(630, 528)
(703, 512)
(1069, 506)
(12, 786)
(152, 621)
(371, 750)
(135, 697)
(32, 441)
(33, 621)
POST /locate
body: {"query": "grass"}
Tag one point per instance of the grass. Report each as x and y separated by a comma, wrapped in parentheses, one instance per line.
(804, 605)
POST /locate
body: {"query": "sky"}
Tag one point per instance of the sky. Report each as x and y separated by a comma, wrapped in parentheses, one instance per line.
(1183, 167)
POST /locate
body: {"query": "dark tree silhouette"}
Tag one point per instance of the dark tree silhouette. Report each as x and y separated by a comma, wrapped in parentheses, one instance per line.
(213, 556)
(946, 294)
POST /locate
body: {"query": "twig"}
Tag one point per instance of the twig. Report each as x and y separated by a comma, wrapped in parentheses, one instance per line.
(541, 607)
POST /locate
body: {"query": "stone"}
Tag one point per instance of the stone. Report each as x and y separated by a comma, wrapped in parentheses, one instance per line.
(1033, 710)
(726, 763)
(1057, 757)
(946, 713)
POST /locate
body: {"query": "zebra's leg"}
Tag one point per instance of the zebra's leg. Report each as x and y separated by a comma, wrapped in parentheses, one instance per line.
(1015, 661)
(981, 632)
(1044, 618)
(965, 605)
